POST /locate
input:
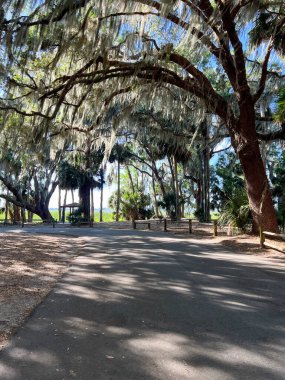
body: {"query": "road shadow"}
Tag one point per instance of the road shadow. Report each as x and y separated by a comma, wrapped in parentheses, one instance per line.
(141, 305)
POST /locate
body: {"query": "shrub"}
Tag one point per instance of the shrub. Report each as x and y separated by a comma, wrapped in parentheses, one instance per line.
(236, 211)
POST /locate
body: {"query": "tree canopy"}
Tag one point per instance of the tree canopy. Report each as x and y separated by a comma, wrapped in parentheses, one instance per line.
(98, 70)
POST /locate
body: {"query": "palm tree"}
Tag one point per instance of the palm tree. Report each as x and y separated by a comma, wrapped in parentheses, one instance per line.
(121, 154)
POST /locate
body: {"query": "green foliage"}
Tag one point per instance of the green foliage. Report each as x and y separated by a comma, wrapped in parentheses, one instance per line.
(81, 169)
(268, 23)
(236, 211)
(68, 176)
(135, 205)
(278, 190)
(169, 204)
(199, 214)
(120, 153)
(226, 176)
(280, 112)
(76, 216)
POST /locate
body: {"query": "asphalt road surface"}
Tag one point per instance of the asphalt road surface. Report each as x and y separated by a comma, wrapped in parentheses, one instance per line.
(148, 305)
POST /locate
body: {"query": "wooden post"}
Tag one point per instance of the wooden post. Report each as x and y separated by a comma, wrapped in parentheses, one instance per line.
(215, 228)
(165, 224)
(148, 225)
(134, 224)
(262, 237)
(53, 223)
(190, 226)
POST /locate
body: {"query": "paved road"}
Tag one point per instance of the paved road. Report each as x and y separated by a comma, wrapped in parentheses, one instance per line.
(139, 305)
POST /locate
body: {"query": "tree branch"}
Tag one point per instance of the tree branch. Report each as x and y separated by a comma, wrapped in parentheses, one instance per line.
(264, 71)
(271, 136)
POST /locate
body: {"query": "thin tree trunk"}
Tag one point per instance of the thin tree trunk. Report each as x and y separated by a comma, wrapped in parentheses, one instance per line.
(177, 203)
(155, 196)
(101, 193)
(59, 203)
(23, 215)
(72, 195)
(101, 201)
(118, 193)
(6, 208)
(172, 174)
(30, 216)
(158, 178)
(64, 204)
(92, 205)
(130, 178)
(182, 206)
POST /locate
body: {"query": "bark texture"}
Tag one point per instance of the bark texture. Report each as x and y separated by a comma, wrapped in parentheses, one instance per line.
(247, 148)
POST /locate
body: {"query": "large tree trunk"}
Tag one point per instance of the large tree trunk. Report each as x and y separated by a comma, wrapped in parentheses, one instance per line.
(84, 196)
(16, 213)
(247, 147)
(42, 211)
(206, 174)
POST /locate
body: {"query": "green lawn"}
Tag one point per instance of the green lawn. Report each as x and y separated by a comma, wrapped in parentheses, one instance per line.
(107, 216)
(214, 216)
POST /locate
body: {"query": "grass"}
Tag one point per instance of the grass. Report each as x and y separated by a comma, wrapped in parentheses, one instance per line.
(107, 216)
(214, 216)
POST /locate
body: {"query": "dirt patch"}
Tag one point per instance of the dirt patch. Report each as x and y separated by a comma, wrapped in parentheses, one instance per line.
(29, 268)
(250, 245)
(239, 243)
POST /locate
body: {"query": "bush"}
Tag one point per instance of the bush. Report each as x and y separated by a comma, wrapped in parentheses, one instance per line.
(133, 205)
(76, 216)
(169, 204)
(236, 211)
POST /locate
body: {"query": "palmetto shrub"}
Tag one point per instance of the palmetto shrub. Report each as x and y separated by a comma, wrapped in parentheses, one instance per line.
(236, 211)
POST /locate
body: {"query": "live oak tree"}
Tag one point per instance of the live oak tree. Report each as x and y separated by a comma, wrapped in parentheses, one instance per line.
(28, 167)
(147, 47)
